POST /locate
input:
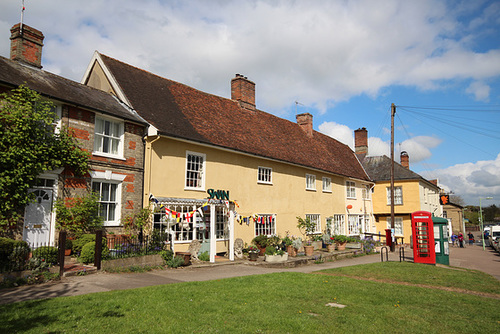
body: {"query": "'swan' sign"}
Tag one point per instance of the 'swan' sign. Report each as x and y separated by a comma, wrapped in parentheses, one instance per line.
(218, 194)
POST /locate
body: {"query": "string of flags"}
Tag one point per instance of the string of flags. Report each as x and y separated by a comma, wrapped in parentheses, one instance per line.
(188, 217)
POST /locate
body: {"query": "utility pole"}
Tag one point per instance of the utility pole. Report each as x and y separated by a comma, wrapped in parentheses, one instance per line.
(393, 112)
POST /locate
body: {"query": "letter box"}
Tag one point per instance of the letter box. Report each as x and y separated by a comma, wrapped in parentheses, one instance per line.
(423, 237)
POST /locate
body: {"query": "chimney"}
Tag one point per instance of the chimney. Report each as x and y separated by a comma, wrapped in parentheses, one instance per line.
(26, 45)
(361, 141)
(405, 160)
(243, 91)
(306, 123)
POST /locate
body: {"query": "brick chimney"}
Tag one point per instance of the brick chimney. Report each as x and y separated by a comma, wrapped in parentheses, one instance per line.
(405, 160)
(306, 123)
(243, 91)
(361, 141)
(26, 45)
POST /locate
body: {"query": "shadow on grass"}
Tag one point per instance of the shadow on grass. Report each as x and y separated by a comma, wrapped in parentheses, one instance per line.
(24, 321)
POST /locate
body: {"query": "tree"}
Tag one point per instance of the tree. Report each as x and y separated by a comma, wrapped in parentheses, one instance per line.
(29, 146)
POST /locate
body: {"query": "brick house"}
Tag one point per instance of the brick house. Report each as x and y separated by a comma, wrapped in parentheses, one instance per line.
(103, 125)
(222, 169)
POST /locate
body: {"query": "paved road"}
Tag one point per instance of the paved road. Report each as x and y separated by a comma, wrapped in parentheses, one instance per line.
(471, 257)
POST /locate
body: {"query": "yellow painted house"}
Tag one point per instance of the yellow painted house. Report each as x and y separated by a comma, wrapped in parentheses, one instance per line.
(219, 169)
(412, 192)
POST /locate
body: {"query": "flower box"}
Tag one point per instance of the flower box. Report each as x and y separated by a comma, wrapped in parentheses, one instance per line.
(276, 258)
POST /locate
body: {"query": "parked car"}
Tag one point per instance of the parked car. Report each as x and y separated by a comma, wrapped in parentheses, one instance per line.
(495, 237)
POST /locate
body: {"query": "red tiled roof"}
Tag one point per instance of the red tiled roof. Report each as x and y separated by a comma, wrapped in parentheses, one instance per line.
(181, 111)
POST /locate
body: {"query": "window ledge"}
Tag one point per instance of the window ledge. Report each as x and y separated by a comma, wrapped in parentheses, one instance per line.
(310, 189)
(110, 156)
(195, 189)
(266, 183)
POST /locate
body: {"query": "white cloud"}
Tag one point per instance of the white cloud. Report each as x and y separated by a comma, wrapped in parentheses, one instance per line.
(338, 131)
(314, 52)
(471, 180)
(419, 148)
(480, 90)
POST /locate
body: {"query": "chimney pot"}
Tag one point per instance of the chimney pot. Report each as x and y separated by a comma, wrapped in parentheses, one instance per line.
(26, 45)
(305, 121)
(405, 160)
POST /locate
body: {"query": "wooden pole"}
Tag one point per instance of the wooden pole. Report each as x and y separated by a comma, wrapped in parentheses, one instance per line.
(393, 112)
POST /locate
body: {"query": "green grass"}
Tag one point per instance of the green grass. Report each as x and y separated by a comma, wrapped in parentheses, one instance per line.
(424, 274)
(273, 303)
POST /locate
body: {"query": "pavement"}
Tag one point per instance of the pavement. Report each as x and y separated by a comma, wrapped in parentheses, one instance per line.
(470, 257)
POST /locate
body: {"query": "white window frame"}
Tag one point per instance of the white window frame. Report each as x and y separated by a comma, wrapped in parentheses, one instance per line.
(339, 224)
(366, 192)
(265, 224)
(120, 137)
(116, 202)
(316, 218)
(398, 226)
(354, 223)
(265, 175)
(398, 195)
(327, 184)
(200, 180)
(110, 178)
(350, 189)
(311, 182)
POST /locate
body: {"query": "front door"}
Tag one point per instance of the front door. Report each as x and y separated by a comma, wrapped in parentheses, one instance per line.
(37, 217)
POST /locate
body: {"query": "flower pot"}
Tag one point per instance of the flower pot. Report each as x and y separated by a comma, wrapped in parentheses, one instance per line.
(262, 250)
(253, 256)
(309, 250)
(67, 252)
(291, 250)
(330, 247)
(186, 256)
(341, 246)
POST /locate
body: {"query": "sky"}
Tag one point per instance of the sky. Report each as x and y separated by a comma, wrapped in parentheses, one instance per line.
(344, 62)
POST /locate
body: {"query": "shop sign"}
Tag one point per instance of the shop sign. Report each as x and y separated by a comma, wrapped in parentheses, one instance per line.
(218, 194)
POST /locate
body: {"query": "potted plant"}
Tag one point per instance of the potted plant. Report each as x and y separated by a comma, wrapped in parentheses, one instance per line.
(275, 255)
(253, 253)
(328, 240)
(340, 241)
(69, 246)
(288, 242)
(307, 227)
(297, 244)
(317, 242)
(261, 242)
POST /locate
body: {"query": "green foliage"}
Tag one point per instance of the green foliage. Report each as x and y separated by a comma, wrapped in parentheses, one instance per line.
(274, 241)
(79, 215)
(69, 244)
(339, 238)
(82, 241)
(12, 252)
(29, 146)
(306, 227)
(260, 240)
(175, 262)
(204, 256)
(167, 255)
(88, 252)
(47, 253)
(133, 223)
(270, 250)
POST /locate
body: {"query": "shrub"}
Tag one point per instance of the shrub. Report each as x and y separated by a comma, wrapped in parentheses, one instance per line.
(175, 262)
(260, 240)
(80, 215)
(204, 256)
(69, 244)
(167, 255)
(19, 256)
(88, 252)
(270, 250)
(82, 241)
(47, 253)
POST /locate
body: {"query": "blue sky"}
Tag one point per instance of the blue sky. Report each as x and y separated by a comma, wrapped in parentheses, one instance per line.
(344, 62)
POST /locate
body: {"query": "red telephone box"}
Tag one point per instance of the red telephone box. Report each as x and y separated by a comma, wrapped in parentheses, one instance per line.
(423, 237)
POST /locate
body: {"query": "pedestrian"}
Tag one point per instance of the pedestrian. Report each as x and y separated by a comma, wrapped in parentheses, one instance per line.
(471, 238)
(454, 238)
(461, 240)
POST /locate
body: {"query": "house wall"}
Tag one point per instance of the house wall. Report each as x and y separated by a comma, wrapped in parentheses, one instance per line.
(82, 123)
(455, 214)
(286, 197)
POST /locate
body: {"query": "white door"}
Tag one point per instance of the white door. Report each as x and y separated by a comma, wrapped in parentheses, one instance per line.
(37, 218)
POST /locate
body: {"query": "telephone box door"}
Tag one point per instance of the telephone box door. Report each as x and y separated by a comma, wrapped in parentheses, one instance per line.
(423, 237)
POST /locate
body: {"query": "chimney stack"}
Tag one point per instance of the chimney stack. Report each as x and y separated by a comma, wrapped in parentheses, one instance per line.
(306, 123)
(243, 91)
(405, 160)
(26, 45)
(361, 141)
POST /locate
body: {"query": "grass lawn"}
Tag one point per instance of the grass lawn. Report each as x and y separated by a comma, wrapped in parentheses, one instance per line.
(276, 303)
